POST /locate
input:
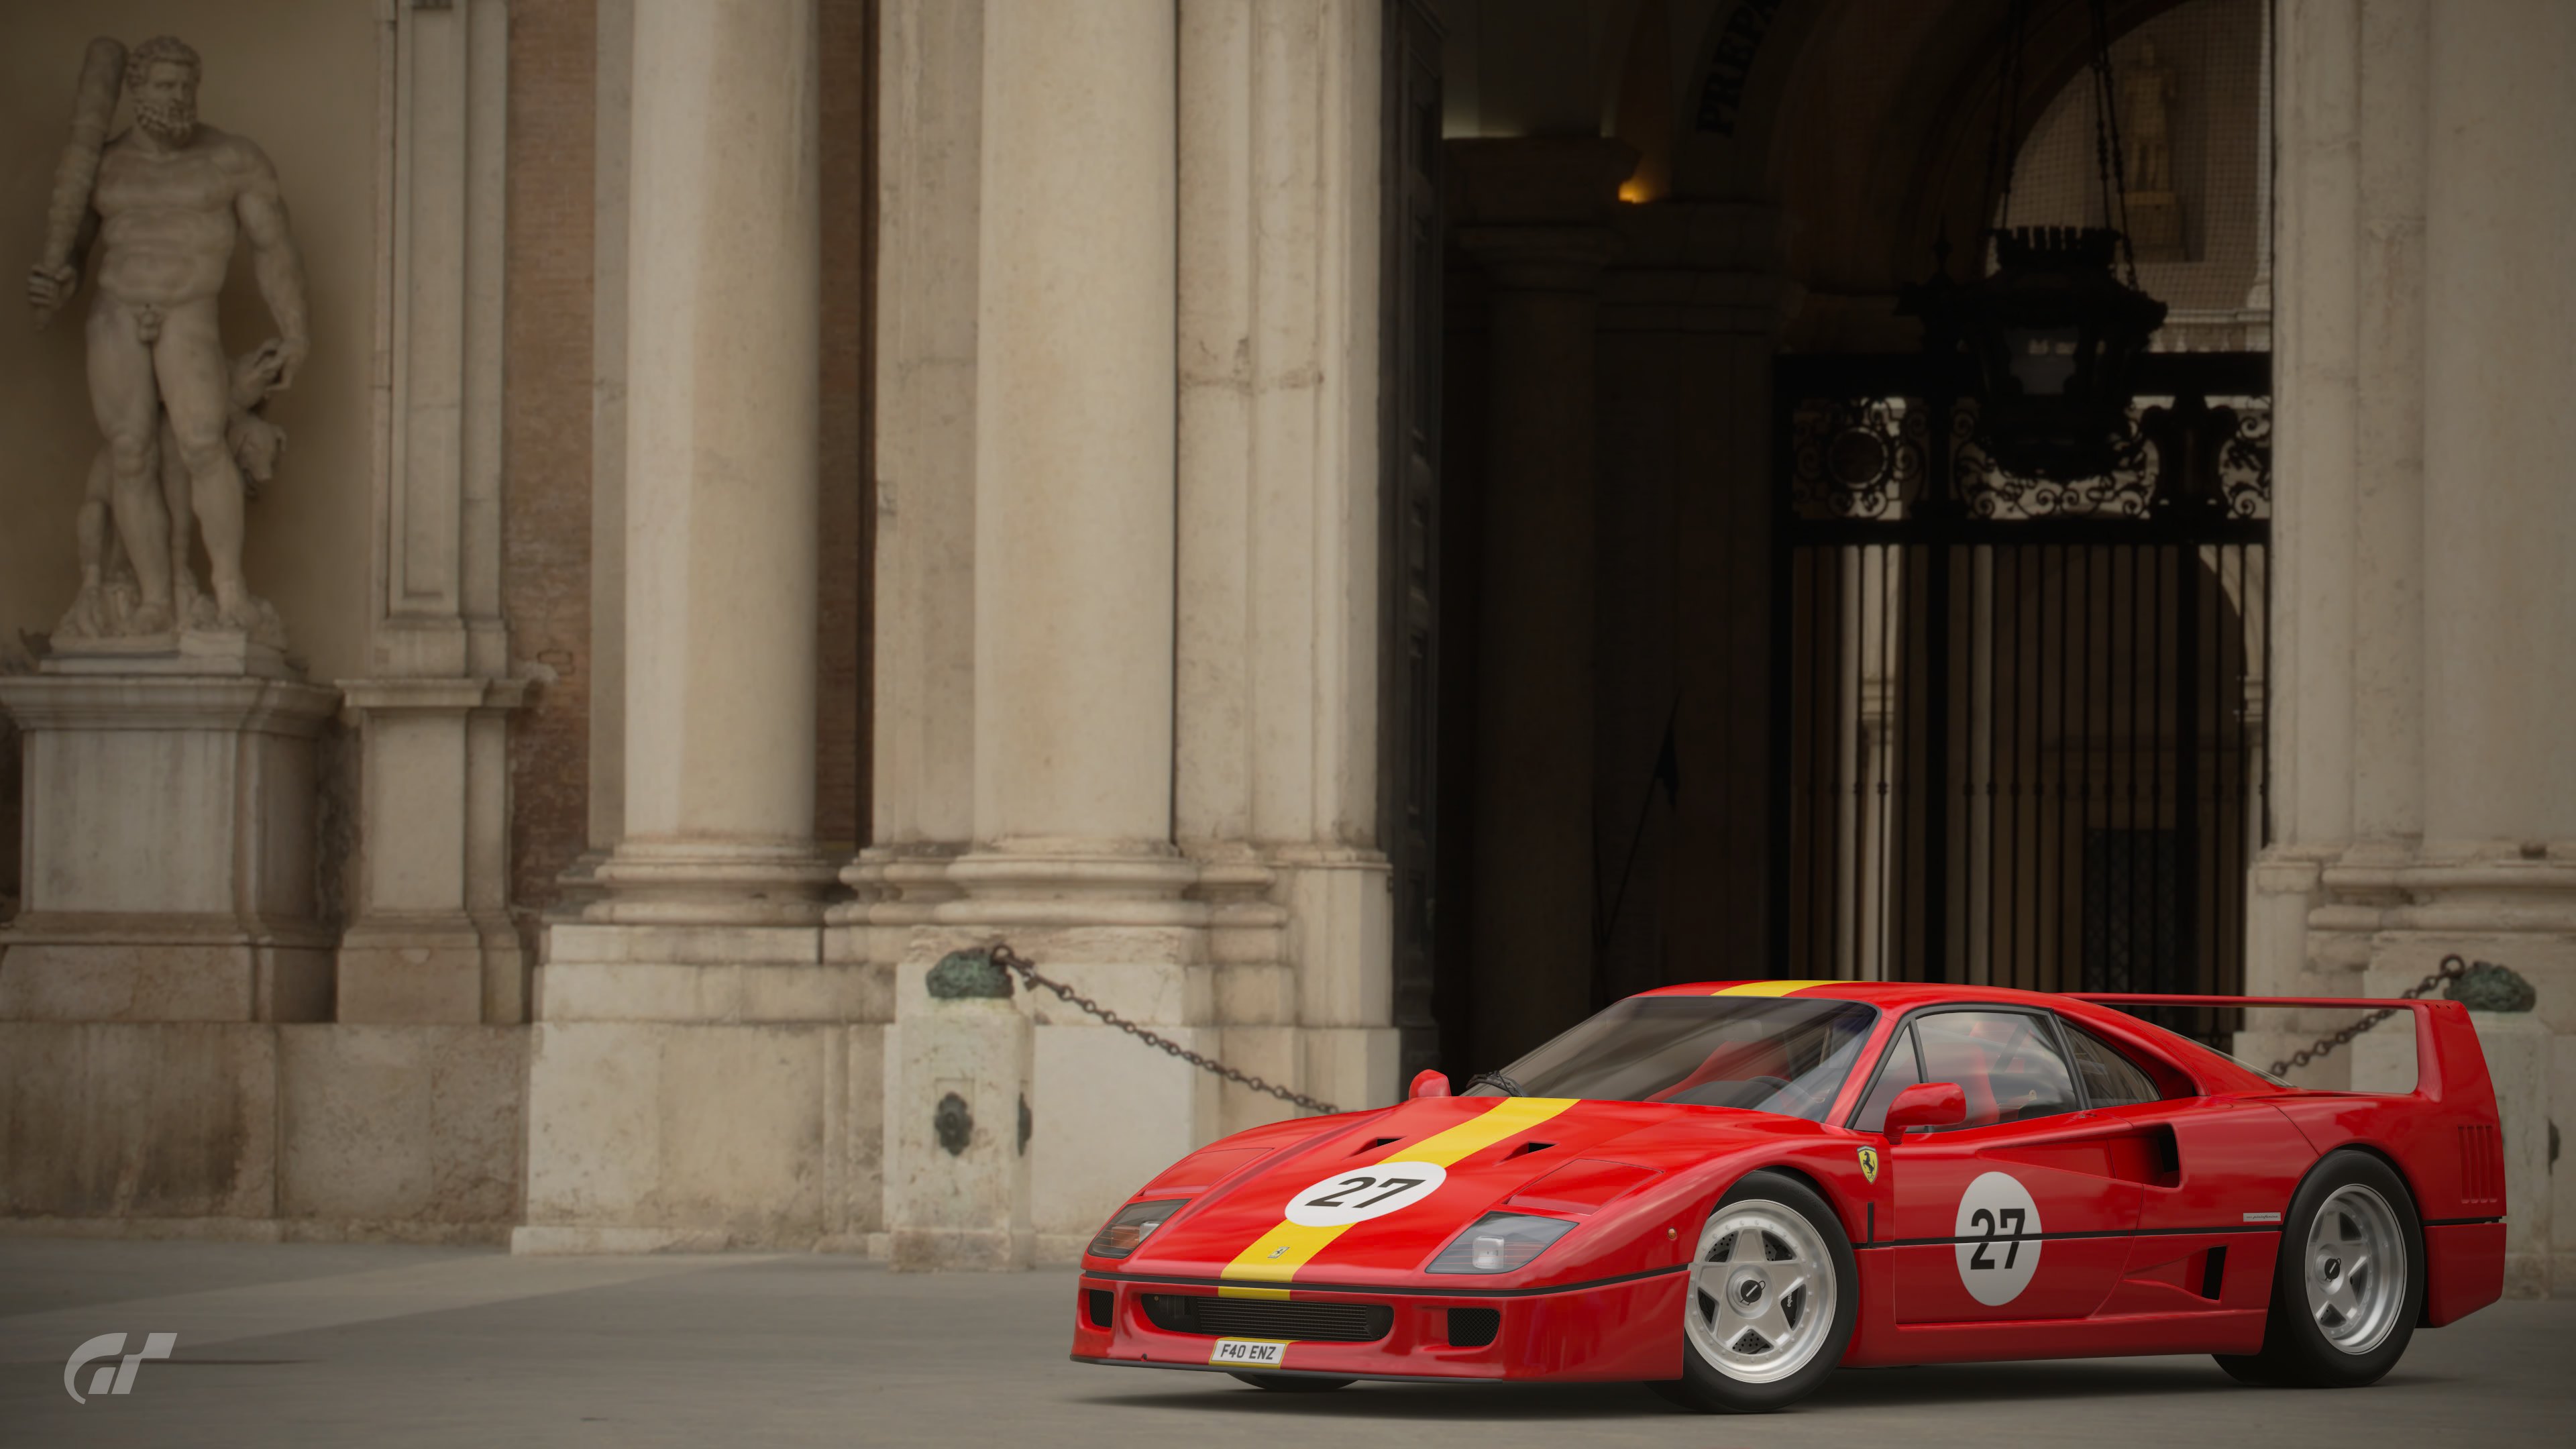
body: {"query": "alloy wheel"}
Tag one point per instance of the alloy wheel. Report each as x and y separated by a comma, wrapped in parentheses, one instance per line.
(2356, 1268)
(1762, 1292)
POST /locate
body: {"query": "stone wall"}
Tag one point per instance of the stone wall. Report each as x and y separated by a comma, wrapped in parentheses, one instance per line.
(314, 1132)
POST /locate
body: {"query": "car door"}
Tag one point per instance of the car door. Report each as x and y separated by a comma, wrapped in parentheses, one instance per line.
(2023, 1211)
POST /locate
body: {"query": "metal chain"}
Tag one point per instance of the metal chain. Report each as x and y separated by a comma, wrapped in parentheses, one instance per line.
(2452, 969)
(1018, 965)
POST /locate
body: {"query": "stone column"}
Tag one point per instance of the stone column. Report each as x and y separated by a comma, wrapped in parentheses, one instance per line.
(1074, 417)
(2423, 803)
(1276, 720)
(700, 1075)
(1529, 214)
(1073, 532)
(2499, 679)
(2498, 870)
(724, 288)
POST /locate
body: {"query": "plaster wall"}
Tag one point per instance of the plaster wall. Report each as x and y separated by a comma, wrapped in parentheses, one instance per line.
(299, 77)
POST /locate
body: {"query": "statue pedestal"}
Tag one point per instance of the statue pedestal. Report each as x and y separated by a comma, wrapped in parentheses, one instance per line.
(2155, 225)
(169, 843)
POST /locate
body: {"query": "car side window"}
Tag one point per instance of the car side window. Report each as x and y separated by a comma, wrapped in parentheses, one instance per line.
(1900, 1073)
(2110, 1079)
(2005, 1062)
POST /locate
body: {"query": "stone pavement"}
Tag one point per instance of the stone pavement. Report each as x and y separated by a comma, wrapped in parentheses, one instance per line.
(283, 1345)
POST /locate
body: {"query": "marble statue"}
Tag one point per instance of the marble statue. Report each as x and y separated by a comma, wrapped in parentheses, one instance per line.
(2146, 91)
(163, 203)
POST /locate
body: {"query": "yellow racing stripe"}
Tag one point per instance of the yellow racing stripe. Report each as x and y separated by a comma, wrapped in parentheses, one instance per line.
(1769, 988)
(1276, 1255)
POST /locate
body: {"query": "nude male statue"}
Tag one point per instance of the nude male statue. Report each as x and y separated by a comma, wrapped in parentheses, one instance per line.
(170, 197)
(2145, 90)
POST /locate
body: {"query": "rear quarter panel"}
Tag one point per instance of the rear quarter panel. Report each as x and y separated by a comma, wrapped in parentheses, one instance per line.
(2443, 1140)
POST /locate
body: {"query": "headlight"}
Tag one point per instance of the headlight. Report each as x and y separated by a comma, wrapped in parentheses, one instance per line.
(1500, 1242)
(1133, 1222)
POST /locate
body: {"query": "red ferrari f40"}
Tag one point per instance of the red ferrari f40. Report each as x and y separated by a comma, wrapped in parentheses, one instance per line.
(1726, 1191)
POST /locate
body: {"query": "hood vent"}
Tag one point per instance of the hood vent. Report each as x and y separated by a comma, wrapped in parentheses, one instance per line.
(1373, 1144)
(1526, 1148)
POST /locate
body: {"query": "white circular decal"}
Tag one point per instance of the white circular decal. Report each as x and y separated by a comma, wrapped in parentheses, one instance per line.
(1998, 1235)
(1362, 1193)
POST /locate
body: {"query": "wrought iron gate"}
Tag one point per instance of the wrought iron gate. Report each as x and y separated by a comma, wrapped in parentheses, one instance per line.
(2021, 721)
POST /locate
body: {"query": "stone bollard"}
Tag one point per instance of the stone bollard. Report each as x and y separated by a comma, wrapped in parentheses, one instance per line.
(957, 1118)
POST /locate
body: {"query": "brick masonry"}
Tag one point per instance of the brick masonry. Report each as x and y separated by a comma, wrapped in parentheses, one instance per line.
(848, 533)
(545, 431)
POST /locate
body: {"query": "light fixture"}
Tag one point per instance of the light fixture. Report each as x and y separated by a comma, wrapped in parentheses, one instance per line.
(2054, 332)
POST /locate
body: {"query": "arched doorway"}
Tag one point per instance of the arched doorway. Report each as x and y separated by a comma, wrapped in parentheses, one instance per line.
(1810, 159)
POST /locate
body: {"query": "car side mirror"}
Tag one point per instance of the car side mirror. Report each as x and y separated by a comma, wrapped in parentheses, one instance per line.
(1429, 1082)
(1926, 1104)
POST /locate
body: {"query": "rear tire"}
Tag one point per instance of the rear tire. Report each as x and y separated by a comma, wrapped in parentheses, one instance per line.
(1294, 1383)
(2348, 1286)
(1771, 1300)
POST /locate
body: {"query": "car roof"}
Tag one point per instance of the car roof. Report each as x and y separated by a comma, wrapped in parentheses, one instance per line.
(2211, 1071)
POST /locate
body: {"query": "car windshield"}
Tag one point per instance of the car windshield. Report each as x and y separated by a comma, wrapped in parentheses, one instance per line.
(1759, 1053)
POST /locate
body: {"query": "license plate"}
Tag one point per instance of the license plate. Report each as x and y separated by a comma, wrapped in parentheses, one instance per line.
(1248, 1352)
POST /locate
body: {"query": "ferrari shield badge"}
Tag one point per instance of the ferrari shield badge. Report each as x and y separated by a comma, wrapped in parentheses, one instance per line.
(1869, 1163)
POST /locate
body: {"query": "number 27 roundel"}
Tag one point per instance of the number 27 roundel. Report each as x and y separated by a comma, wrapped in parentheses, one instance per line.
(1365, 1192)
(1998, 1242)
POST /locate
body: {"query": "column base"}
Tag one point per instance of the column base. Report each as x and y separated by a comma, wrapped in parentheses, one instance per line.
(430, 942)
(707, 883)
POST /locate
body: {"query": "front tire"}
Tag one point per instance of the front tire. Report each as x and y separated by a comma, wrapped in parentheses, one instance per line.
(1773, 1295)
(2348, 1286)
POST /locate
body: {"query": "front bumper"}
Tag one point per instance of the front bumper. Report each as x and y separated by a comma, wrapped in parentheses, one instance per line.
(1619, 1329)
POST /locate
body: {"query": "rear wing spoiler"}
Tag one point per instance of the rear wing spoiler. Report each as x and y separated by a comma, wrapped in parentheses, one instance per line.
(2450, 1066)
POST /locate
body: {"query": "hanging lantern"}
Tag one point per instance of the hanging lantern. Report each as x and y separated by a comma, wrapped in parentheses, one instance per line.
(2054, 332)
(2054, 338)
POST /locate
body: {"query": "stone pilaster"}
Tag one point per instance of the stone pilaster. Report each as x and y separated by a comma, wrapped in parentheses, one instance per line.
(428, 937)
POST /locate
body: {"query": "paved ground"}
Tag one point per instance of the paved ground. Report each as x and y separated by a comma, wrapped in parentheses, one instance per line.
(292, 1345)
